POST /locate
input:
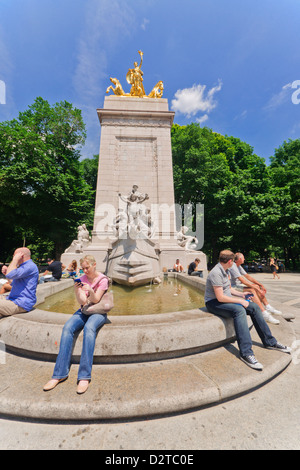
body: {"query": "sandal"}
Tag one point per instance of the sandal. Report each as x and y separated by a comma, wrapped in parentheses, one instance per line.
(52, 384)
(82, 386)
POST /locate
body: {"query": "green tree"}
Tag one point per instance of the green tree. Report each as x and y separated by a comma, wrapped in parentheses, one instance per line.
(285, 177)
(222, 173)
(90, 170)
(42, 189)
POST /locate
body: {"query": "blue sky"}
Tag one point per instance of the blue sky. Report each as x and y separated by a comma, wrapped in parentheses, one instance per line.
(229, 64)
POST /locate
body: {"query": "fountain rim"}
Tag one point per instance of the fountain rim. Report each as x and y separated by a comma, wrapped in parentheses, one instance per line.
(196, 282)
(125, 338)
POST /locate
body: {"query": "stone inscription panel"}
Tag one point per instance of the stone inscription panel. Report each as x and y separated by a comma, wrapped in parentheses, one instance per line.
(136, 163)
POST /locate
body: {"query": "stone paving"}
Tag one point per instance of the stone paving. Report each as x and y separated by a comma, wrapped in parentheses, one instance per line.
(265, 418)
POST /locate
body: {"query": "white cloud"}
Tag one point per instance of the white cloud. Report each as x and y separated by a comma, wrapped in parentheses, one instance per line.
(202, 119)
(279, 98)
(2, 92)
(191, 101)
(7, 104)
(144, 23)
(241, 116)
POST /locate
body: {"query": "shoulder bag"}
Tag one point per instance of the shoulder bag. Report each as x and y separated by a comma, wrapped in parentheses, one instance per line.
(105, 304)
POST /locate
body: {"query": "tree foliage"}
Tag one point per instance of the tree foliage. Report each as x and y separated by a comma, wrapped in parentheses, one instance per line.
(46, 191)
(285, 179)
(42, 190)
(248, 205)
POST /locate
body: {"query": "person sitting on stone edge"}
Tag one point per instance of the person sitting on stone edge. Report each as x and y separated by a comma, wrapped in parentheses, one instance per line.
(242, 281)
(221, 299)
(24, 274)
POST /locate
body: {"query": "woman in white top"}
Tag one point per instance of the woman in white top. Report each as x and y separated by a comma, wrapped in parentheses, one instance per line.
(178, 268)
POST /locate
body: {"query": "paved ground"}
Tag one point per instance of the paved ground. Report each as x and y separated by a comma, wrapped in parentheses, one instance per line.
(267, 418)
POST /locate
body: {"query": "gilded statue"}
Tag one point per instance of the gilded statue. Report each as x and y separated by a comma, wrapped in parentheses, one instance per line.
(135, 78)
(118, 90)
(157, 90)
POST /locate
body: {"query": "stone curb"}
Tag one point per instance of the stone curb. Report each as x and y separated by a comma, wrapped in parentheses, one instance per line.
(139, 390)
(124, 339)
(128, 391)
(136, 338)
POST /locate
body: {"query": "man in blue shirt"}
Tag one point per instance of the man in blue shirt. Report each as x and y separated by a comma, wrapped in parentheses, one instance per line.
(24, 275)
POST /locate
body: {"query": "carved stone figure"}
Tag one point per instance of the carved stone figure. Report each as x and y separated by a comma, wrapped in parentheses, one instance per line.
(119, 226)
(133, 259)
(83, 233)
(83, 239)
(186, 241)
(133, 199)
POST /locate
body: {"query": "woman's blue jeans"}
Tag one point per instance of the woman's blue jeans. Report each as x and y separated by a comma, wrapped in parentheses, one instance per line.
(90, 325)
(239, 315)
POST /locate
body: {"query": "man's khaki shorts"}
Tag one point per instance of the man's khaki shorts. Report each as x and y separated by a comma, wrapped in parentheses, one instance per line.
(8, 308)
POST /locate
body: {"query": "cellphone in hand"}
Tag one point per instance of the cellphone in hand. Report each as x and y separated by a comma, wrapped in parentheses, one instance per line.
(248, 296)
(78, 282)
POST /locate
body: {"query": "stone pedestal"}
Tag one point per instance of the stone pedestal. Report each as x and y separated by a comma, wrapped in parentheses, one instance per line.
(135, 149)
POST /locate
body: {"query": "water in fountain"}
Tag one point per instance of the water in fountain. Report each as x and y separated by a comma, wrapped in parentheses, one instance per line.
(171, 295)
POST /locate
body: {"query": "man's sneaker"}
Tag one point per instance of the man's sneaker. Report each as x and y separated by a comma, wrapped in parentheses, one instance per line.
(252, 362)
(269, 319)
(273, 310)
(280, 347)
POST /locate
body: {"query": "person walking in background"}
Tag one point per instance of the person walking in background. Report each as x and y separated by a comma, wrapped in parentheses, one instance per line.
(274, 268)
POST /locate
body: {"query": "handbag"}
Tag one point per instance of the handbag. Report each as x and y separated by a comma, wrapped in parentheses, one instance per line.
(105, 304)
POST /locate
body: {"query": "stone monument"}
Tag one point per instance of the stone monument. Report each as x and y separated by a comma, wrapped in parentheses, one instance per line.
(134, 235)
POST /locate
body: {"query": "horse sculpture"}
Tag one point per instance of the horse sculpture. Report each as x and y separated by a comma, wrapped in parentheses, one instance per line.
(118, 90)
(157, 91)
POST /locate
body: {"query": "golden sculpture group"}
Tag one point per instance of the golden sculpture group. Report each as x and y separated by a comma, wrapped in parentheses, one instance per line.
(135, 78)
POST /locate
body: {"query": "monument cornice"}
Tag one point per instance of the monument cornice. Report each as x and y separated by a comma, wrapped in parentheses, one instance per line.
(126, 118)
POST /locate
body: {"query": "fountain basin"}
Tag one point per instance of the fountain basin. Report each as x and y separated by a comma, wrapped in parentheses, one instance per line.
(170, 295)
(123, 339)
